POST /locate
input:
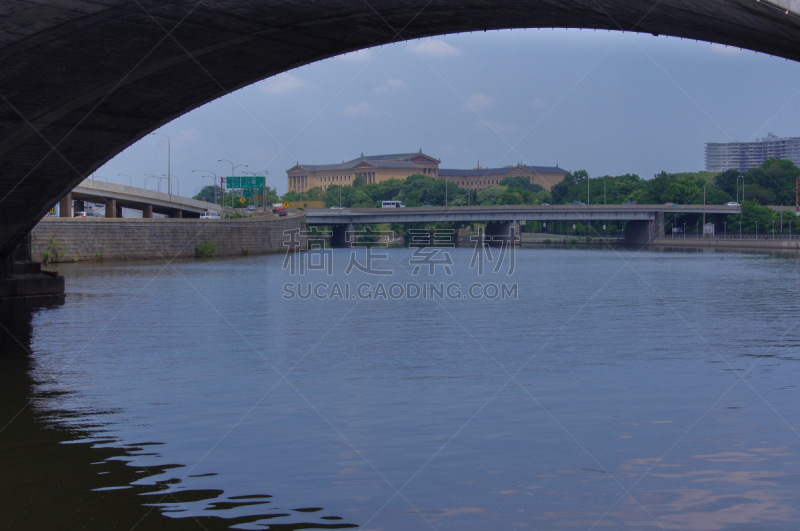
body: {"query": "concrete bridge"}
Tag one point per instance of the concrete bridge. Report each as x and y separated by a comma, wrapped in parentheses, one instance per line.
(81, 81)
(115, 196)
(646, 222)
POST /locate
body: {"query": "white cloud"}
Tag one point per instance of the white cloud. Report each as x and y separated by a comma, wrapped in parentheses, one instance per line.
(434, 48)
(391, 84)
(540, 103)
(479, 102)
(500, 127)
(359, 56)
(282, 84)
(725, 50)
(361, 108)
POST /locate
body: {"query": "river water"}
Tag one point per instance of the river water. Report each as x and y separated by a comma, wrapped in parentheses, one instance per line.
(559, 389)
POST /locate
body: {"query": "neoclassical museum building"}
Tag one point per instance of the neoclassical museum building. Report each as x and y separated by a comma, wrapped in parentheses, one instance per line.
(379, 168)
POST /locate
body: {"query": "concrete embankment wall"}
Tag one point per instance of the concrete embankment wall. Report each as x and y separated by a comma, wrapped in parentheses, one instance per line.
(85, 239)
(728, 244)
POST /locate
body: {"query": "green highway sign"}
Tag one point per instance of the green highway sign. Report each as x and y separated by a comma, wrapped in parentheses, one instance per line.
(244, 182)
(248, 192)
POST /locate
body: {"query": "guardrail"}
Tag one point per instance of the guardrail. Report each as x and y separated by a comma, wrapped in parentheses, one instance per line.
(767, 236)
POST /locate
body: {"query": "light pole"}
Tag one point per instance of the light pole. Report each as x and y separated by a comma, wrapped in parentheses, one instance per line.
(684, 230)
(148, 176)
(215, 182)
(737, 188)
(445, 190)
(604, 189)
(169, 152)
(756, 229)
(233, 168)
(726, 229)
(156, 177)
(130, 179)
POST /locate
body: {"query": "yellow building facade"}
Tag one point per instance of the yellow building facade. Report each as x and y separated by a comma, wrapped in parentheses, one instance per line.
(379, 168)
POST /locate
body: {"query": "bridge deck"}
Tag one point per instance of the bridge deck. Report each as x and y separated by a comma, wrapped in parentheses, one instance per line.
(506, 213)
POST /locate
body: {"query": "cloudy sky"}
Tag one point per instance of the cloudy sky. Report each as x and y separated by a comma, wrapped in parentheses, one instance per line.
(607, 102)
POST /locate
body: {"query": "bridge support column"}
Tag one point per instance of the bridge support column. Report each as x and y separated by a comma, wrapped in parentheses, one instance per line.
(502, 233)
(111, 208)
(78, 205)
(147, 211)
(643, 232)
(65, 207)
(21, 278)
(340, 237)
(177, 214)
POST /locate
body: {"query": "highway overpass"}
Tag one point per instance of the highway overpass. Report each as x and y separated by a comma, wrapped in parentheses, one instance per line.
(506, 213)
(644, 222)
(116, 196)
(81, 81)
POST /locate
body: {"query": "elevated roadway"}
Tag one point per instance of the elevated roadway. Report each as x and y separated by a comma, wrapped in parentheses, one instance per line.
(116, 196)
(507, 213)
(82, 80)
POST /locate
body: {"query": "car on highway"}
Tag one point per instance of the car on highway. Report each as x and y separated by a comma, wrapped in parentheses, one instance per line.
(631, 203)
(732, 203)
(576, 203)
(86, 215)
(282, 212)
(670, 204)
(209, 214)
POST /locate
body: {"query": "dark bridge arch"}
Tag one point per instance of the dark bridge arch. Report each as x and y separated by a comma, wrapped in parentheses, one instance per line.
(81, 81)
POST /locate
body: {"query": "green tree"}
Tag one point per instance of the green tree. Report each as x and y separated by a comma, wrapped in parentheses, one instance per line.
(359, 181)
(206, 193)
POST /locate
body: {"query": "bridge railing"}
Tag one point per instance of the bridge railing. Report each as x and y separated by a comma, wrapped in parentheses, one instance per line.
(744, 236)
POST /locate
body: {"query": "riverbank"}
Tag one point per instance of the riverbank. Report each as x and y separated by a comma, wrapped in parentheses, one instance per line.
(100, 239)
(730, 243)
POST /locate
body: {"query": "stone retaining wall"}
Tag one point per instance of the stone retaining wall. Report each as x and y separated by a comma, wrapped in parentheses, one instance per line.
(88, 239)
(728, 244)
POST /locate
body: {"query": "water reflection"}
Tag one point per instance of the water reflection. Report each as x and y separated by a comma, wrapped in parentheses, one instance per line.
(55, 475)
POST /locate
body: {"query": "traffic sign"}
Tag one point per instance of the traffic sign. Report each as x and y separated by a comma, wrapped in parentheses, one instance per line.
(286, 204)
(248, 192)
(244, 182)
(242, 200)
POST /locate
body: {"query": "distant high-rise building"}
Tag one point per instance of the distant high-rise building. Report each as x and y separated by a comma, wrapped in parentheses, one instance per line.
(745, 155)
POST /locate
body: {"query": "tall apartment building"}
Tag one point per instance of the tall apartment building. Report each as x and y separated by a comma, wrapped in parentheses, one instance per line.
(745, 155)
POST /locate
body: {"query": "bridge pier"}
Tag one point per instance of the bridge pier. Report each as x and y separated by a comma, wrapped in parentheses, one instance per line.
(22, 278)
(644, 232)
(177, 214)
(65, 207)
(147, 211)
(111, 208)
(339, 237)
(499, 233)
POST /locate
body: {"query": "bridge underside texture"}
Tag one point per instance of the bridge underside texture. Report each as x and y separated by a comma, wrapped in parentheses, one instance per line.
(81, 81)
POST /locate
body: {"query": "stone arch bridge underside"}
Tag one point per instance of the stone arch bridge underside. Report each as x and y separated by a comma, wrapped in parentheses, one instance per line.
(82, 80)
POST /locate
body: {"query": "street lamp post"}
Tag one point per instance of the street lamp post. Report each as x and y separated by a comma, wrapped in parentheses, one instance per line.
(148, 176)
(169, 152)
(726, 229)
(233, 169)
(130, 179)
(737, 188)
(756, 229)
(215, 182)
(684, 230)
